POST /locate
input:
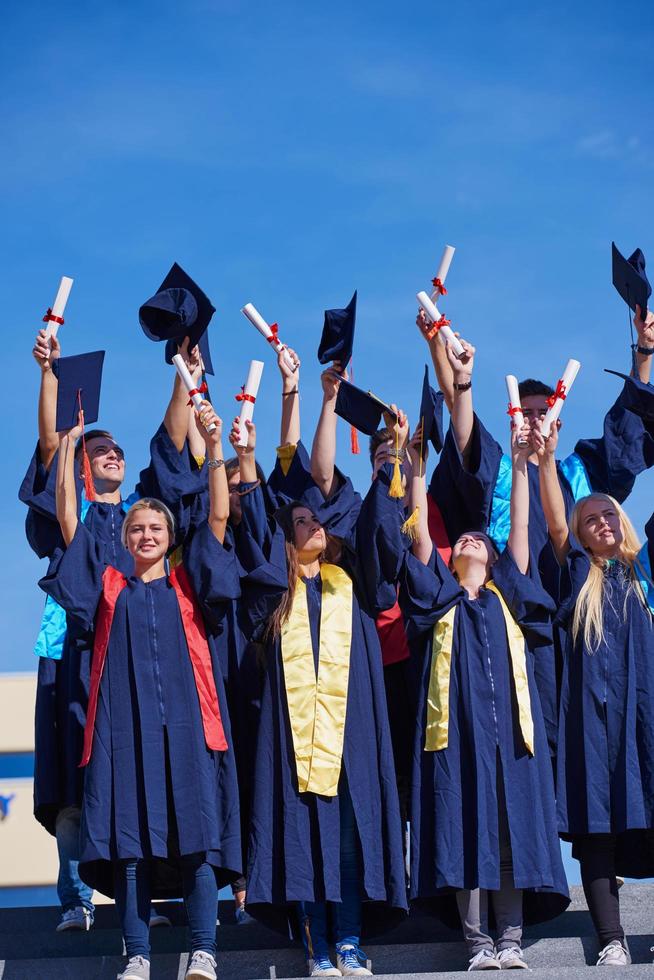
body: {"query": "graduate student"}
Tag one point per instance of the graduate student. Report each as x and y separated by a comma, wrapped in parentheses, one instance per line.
(605, 789)
(160, 804)
(483, 817)
(325, 823)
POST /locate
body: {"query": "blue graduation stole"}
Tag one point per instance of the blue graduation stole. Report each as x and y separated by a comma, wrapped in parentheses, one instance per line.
(52, 631)
(645, 579)
(572, 468)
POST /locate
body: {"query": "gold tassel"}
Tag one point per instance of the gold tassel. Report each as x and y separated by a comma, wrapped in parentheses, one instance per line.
(199, 461)
(410, 526)
(396, 489)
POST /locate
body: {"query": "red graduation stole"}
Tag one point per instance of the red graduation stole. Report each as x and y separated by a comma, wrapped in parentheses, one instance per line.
(437, 531)
(113, 583)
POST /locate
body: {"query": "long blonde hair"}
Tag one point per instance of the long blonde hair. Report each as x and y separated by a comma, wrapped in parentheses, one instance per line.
(588, 607)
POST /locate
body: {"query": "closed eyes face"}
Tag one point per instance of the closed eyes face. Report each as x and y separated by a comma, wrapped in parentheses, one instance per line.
(473, 545)
(599, 527)
(308, 533)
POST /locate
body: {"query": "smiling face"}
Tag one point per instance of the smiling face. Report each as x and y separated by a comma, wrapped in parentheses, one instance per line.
(147, 535)
(600, 530)
(107, 460)
(473, 547)
(308, 534)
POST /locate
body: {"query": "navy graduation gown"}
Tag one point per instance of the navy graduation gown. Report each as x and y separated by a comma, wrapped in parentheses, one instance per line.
(294, 841)
(454, 806)
(152, 788)
(605, 778)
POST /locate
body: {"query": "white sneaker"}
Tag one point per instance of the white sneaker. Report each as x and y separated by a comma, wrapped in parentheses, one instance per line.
(158, 918)
(512, 958)
(614, 954)
(78, 918)
(484, 960)
(349, 960)
(202, 967)
(138, 968)
(322, 966)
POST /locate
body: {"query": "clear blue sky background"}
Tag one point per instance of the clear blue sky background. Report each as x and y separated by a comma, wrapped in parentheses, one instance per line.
(287, 153)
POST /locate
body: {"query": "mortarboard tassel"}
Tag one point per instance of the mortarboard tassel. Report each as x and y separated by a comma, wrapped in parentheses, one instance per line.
(410, 526)
(396, 490)
(87, 475)
(354, 441)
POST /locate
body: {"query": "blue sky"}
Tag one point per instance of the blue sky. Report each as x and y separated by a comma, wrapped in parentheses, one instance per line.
(288, 153)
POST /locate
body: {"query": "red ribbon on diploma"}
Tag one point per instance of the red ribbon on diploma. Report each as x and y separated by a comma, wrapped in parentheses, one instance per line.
(443, 322)
(50, 318)
(274, 334)
(438, 286)
(514, 409)
(197, 391)
(244, 397)
(559, 393)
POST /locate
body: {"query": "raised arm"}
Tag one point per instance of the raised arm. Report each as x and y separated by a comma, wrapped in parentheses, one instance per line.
(463, 417)
(519, 534)
(218, 489)
(289, 434)
(417, 505)
(44, 352)
(323, 450)
(176, 419)
(442, 366)
(551, 494)
(65, 490)
(645, 330)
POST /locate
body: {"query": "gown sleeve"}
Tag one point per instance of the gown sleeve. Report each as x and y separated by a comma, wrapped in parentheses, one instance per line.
(530, 605)
(291, 480)
(573, 576)
(625, 449)
(37, 491)
(464, 493)
(175, 478)
(74, 578)
(214, 573)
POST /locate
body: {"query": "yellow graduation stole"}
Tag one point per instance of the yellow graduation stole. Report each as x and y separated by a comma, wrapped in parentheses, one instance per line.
(317, 705)
(438, 694)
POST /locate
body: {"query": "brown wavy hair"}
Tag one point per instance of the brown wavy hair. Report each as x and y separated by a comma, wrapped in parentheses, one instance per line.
(332, 554)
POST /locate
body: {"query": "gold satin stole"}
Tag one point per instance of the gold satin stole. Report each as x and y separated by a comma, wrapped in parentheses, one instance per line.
(438, 695)
(317, 705)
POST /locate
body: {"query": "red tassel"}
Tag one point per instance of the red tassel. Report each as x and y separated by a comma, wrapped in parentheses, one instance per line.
(354, 441)
(87, 475)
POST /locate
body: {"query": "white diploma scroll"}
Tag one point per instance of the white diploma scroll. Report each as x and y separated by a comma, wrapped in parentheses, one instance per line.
(266, 331)
(443, 269)
(562, 391)
(515, 408)
(189, 383)
(55, 315)
(247, 398)
(446, 331)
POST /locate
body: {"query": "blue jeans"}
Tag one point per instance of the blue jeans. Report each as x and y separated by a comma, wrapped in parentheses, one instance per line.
(347, 912)
(70, 888)
(133, 896)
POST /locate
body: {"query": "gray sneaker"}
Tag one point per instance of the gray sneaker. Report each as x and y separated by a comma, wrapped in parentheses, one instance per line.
(512, 958)
(201, 967)
(614, 955)
(78, 918)
(485, 959)
(138, 968)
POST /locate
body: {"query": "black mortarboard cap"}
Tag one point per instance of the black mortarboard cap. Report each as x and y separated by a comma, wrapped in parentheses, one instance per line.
(179, 309)
(360, 408)
(630, 279)
(79, 378)
(431, 413)
(338, 334)
(638, 396)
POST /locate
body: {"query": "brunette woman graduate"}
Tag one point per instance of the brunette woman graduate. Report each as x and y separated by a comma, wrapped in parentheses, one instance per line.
(325, 822)
(605, 774)
(160, 812)
(483, 817)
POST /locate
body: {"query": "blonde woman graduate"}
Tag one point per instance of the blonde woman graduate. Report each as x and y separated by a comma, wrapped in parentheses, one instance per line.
(325, 827)
(160, 813)
(605, 774)
(483, 817)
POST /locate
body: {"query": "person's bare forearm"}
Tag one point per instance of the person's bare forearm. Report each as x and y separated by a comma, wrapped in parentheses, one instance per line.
(553, 506)
(47, 418)
(289, 434)
(519, 533)
(443, 369)
(422, 544)
(323, 450)
(66, 491)
(176, 419)
(218, 495)
(643, 367)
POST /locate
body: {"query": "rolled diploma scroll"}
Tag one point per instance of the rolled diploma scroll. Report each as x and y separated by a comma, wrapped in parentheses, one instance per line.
(247, 407)
(566, 382)
(258, 321)
(59, 306)
(434, 316)
(517, 418)
(443, 269)
(184, 374)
